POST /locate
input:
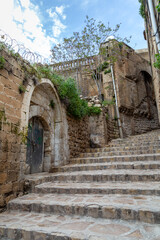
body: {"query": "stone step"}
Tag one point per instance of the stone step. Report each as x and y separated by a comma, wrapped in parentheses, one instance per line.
(134, 143)
(120, 153)
(147, 137)
(33, 226)
(123, 148)
(113, 206)
(131, 188)
(144, 137)
(113, 165)
(107, 175)
(124, 158)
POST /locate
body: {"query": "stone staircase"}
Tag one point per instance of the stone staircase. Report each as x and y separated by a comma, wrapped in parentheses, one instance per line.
(111, 193)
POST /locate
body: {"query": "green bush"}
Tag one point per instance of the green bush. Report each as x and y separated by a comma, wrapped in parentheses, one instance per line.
(157, 62)
(2, 62)
(94, 110)
(107, 71)
(102, 66)
(22, 88)
(108, 102)
(68, 93)
(158, 7)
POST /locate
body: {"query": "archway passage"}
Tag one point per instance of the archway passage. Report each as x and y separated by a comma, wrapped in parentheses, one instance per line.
(146, 95)
(47, 129)
(35, 145)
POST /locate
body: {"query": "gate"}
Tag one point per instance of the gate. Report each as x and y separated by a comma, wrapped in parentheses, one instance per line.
(35, 145)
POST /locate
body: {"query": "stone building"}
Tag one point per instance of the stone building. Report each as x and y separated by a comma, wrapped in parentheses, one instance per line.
(36, 137)
(135, 87)
(152, 35)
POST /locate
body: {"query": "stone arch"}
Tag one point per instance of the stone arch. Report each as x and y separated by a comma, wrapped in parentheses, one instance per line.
(36, 104)
(145, 93)
(146, 109)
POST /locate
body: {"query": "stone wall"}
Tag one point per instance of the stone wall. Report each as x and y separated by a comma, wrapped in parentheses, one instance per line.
(150, 35)
(112, 129)
(98, 130)
(11, 148)
(62, 134)
(133, 125)
(87, 132)
(136, 94)
(78, 133)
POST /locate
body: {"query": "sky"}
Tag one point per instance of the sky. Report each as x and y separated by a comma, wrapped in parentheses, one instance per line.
(40, 24)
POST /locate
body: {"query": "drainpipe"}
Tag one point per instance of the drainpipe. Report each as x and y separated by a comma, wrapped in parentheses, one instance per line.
(117, 109)
(154, 23)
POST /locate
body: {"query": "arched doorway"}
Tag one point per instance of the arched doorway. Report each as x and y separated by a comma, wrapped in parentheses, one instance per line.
(146, 95)
(47, 144)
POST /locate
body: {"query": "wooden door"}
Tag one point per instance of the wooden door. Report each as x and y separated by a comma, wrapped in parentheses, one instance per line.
(35, 145)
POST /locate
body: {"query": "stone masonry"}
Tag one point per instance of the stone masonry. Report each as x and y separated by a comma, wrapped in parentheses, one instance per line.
(108, 193)
(63, 135)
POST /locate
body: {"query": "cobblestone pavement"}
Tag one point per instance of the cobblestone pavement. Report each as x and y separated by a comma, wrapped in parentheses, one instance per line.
(111, 193)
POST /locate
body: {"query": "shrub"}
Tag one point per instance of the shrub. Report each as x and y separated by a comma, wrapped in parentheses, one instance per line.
(108, 102)
(22, 88)
(94, 110)
(107, 71)
(157, 62)
(2, 62)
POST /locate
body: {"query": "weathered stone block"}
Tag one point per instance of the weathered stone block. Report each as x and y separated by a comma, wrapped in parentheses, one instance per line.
(3, 177)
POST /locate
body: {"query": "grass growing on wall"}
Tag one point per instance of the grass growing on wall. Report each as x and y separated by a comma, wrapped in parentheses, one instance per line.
(2, 62)
(66, 88)
(157, 62)
(69, 94)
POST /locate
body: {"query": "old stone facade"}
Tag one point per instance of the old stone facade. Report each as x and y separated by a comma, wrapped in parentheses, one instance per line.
(152, 35)
(135, 87)
(34, 137)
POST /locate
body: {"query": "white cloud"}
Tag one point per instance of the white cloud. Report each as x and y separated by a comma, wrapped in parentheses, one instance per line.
(20, 19)
(25, 3)
(60, 10)
(58, 26)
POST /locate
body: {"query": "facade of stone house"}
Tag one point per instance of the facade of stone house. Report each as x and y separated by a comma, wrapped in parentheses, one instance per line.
(152, 35)
(135, 88)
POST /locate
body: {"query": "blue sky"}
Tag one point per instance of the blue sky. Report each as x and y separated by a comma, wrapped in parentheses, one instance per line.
(41, 23)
